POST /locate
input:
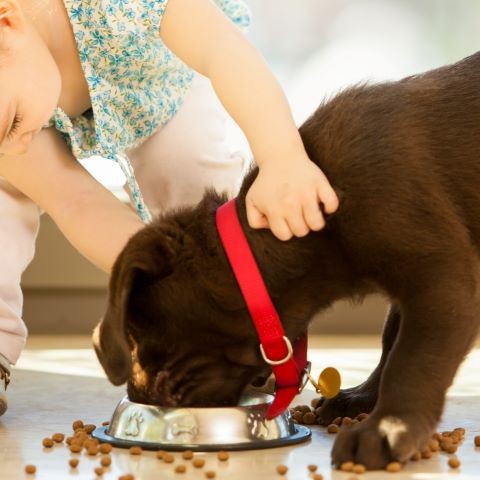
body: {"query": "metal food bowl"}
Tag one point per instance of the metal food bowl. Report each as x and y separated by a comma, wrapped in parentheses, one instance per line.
(243, 427)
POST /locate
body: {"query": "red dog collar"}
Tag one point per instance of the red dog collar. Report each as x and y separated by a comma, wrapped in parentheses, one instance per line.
(289, 365)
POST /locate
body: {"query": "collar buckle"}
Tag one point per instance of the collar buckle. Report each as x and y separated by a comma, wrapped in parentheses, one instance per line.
(287, 357)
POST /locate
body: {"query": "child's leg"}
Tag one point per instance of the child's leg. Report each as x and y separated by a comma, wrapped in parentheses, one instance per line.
(176, 164)
(19, 222)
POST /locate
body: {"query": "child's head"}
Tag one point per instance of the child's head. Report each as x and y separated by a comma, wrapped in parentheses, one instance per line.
(30, 81)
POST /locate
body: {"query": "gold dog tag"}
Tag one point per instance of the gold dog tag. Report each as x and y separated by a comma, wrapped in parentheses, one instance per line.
(329, 382)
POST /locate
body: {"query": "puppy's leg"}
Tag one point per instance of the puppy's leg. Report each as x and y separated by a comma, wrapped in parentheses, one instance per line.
(362, 398)
(440, 316)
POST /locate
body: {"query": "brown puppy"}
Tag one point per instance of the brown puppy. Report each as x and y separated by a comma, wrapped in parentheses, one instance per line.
(405, 159)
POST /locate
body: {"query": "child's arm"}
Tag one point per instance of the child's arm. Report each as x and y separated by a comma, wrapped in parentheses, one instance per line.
(287, 192)
(89, 215)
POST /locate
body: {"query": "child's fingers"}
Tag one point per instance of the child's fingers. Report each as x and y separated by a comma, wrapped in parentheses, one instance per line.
(328, 197)
(313, 214)
(296, 222)
(256, 219)
(279, 228)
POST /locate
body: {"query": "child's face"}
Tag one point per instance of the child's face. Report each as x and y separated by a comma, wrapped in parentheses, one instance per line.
(30, 82)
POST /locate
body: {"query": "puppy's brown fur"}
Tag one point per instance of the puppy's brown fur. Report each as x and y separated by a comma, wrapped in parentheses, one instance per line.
(405, 159)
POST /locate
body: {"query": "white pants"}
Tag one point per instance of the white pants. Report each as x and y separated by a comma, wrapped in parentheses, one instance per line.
(173, 168)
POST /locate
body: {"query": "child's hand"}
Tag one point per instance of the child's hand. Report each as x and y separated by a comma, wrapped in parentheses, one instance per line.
(285, 197)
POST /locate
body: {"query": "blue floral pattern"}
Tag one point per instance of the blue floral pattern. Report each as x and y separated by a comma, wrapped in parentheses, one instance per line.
(136, 83)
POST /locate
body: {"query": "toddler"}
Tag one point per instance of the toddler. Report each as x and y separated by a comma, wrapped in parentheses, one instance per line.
(145, 83)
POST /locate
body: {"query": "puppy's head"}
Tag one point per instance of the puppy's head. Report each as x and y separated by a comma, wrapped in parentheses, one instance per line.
(176, 327)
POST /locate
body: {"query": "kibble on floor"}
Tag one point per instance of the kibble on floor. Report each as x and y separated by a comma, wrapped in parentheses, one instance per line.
(27, 424)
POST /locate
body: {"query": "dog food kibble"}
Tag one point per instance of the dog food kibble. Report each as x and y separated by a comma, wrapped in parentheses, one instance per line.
(314, 402)
(298, 416)
(30, 469)
(359, 468)
(89, 428)
(309, 418)
(332, 428)
(92, 451)
(90, 443)
(81, 435)
(135, 450)
(187, 454)
(427, 453)
(58, 437)
(168, 458)
(453, 462)
(198, 462)
(346, 466)
(303, 408)
(445, 443)
(393, 467)
(456, 437)
(223, 456)
(106, 423)
(346, 421)
(75, 448)
(434, 445)
(477, 441)
(77, 424)
(452, 448)
(105, 448)
(47, 442)
(77, 442)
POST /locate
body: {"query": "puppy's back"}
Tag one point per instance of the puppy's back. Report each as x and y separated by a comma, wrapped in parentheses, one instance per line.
(406, 154)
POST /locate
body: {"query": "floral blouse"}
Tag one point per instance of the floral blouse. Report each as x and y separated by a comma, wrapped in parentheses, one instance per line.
(136, 83)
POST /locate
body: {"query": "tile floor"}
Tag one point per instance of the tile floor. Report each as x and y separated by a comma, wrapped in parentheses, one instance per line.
(58, 380)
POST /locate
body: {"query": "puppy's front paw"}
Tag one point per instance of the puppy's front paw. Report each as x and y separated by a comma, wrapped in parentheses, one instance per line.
(348, 403)
(376, 442)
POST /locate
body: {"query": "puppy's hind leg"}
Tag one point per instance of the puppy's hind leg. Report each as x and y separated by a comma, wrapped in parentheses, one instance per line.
(361, 399)
(440, 319)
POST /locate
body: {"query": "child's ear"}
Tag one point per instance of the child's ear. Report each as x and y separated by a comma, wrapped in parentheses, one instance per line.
(11, 15)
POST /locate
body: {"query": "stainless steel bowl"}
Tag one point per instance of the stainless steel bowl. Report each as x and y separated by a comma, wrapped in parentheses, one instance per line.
(243, 427)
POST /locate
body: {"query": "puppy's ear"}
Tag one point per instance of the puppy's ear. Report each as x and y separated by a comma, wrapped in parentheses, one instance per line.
(110, 336)
(138, 262)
